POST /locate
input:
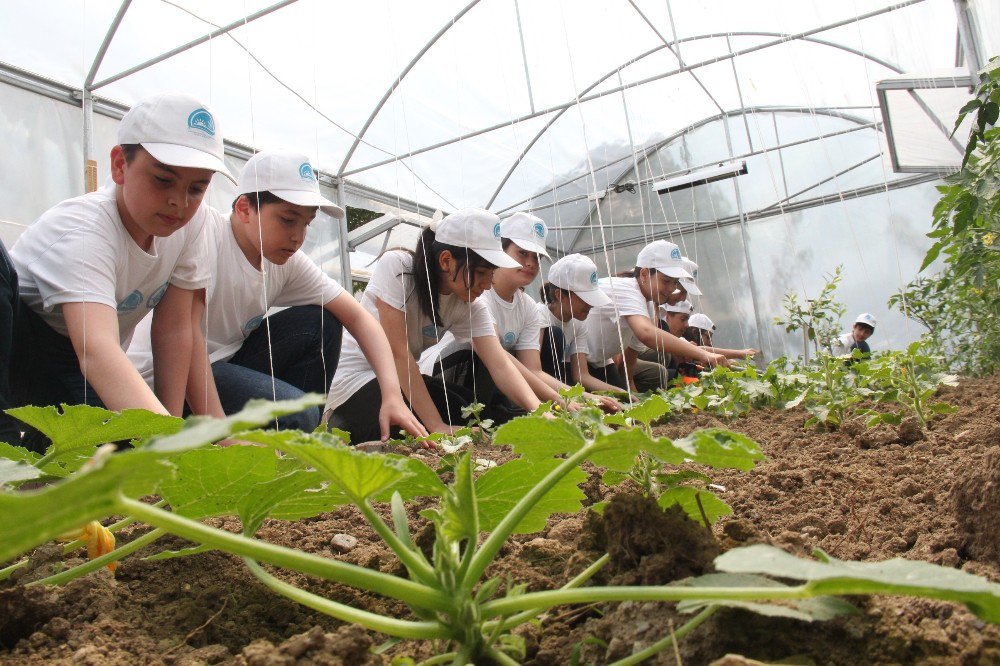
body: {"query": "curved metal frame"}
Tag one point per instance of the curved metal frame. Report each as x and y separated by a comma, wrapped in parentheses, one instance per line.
(803, 35)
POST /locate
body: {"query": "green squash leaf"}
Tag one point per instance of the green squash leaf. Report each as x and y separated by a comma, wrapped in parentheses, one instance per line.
(687, 497)
(500, 488)
(618, 450)
(720, 448)
(896, 576)
(537, 437)
(807, 610)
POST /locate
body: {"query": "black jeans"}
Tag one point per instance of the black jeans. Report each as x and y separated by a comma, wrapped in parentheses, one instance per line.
(302, 346)
(553, 360)
(358, 415)
(38, 366)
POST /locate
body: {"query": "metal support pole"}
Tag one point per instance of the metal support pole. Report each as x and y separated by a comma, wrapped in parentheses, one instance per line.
(970, 39)
(746, 252)
(345, 248)
(89, 161)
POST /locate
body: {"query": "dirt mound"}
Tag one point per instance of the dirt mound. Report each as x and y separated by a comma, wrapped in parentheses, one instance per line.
(976, 502)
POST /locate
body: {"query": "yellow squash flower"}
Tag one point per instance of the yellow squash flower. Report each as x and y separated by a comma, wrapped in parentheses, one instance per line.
(99, 539)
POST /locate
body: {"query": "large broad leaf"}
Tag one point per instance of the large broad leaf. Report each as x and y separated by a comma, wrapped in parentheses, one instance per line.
(31, 518)
(295, 492)
(618, 450)
(458, 518)
(895, 576)
(807, 610)
(212, 482)
(717, 447)
(422, 481)
(15, 471)
(199, 430)
(81, 428)
(500, 488)
(688, 498)
(646, 412)
(537, 437)
(359, 475)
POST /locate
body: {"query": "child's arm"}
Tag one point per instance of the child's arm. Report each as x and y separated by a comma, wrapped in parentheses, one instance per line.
(202, 394)
(93, 330)
(411, 382)
(732, 353)
(580, 372)
(372, 339)
(172, 343)
(504, 373)
(546, 387)
(655, 338)
(531, 359)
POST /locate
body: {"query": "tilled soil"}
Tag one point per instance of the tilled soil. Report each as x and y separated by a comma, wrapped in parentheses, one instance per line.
(931, 494)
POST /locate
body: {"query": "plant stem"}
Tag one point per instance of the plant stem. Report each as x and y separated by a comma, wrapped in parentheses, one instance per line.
(6, 572)
(496, 539)
(499, 657)
(439, 659)
(408, 556)
(686, 628)
(374, 581)
(375, 622)
(64, 577)
(524, 616)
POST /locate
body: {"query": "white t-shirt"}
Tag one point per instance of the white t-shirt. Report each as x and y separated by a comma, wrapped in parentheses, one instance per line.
(517, 322)
(574, 332)
(602, 324)
(392, 283)
(235, 297)
(79, 251)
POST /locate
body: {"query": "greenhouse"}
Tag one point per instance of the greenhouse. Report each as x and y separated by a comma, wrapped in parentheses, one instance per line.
(804, 160)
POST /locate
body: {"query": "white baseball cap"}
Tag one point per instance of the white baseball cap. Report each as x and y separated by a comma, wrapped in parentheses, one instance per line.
(288, 176)
(477, 230)
(866, 318)
(682, 307)
(689, 285)
(701, 321)
(175, 129)
(578, 274)
(526, 231)
(665, 257)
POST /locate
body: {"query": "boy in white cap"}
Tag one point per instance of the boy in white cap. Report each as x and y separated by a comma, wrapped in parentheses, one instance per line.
(255, 264)
(90, 268)
(418, 297)
(568, 296)
(857, 337)
(658, 272)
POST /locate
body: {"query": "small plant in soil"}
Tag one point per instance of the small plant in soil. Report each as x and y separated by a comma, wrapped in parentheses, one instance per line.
(451, 596)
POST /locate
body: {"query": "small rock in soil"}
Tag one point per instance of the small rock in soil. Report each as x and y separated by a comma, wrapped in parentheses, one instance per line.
(343, 543)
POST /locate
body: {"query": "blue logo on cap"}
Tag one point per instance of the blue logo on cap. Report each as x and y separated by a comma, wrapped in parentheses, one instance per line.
(252, 324)
(130, 302)
(509, 338)
(202, 120)
(675, 254)
(155, 298)
(593, 278)
(539, 229)
(306, 172)
(496, 230)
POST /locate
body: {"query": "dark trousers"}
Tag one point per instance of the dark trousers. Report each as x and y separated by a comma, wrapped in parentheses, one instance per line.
(38, 366)
(553, 358)
(358, 415)
(302, 346)
(608, 374)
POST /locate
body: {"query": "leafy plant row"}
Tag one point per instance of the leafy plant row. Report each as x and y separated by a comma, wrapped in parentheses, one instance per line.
(449, 595)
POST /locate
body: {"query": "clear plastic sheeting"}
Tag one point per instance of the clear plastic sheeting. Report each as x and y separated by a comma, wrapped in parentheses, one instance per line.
(565, 108)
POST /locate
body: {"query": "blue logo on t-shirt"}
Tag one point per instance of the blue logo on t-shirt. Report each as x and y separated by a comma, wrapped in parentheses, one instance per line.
(252, 325)
(539, 229)
(430, 331)
(509, 338)
(306, 172)
(157, 296)
(593, 278)
(496, 230)
(675, 254)
(202, 120)
(130, 302)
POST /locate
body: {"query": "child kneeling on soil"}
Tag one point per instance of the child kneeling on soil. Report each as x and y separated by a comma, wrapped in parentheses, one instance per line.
(518, 325)
(256, 265)
(93, 266)
(656, 279)
(569, 295)
(418, 297)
